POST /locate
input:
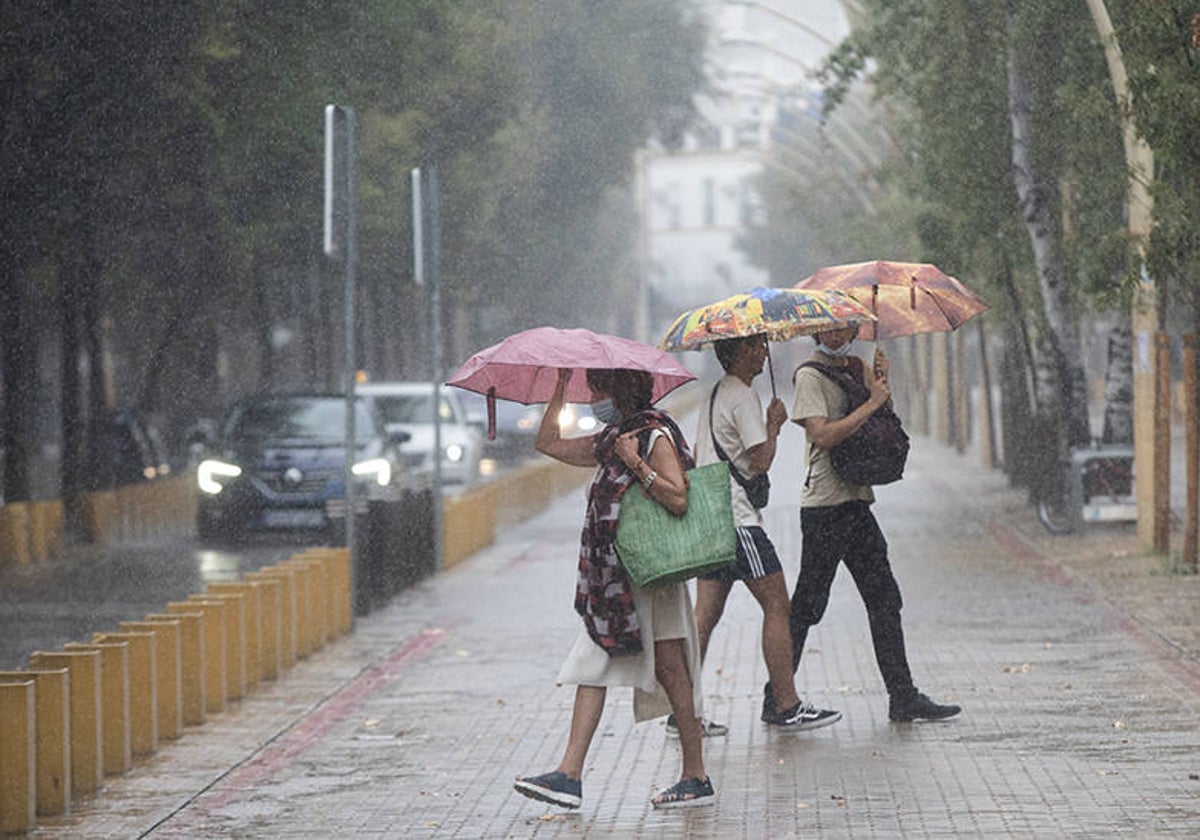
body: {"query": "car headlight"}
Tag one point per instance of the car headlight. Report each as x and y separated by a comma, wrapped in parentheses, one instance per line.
(211, 473)
(454, 452)
(587, 424)
(566, 416)
(379, 469)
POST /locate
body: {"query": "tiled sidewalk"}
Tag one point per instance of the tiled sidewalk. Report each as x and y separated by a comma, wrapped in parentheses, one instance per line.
(1079, 719)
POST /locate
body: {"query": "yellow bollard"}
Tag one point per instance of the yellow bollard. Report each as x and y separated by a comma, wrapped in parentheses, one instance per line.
(302, 580)
(191, 663)
(251, 594)
(167, 673)
(18, 782)
(14, 534)
(143, 688)
(45, 528)
(270, 596)
(114, 693)
(100, 515)
(288, 630)
(215, 668)
(86, 706)
(321, 595)
(337, 566)
(235, 640)
(311, 616)
(52, 734)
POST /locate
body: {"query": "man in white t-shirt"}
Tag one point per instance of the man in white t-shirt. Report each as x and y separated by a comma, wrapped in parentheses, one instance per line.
(837, 525)
(747, 439)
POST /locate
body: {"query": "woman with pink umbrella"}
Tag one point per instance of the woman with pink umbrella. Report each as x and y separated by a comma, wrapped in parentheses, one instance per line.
(631, 636)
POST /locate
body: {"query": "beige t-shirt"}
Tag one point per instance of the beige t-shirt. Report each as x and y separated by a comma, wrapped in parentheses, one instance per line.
(819, 396)
(741, 425)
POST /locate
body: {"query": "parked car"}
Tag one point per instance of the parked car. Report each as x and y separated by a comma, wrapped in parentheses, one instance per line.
(279, 463)
(408, 407)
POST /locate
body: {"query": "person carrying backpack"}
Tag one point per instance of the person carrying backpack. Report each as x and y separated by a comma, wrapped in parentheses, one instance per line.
(837, 525)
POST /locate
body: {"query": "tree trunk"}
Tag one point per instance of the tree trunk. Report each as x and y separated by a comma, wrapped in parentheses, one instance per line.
(1118, 388)
(99, 473)
(1062, 395)
(18, 355)
(72, 465)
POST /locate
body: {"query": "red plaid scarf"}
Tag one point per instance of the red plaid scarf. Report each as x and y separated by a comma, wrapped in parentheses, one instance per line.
(603, 592)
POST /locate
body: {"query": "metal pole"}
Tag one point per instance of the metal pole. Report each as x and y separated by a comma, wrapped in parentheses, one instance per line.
(351, 363)
(435, 303)
(1191, 424)
(1162, 443)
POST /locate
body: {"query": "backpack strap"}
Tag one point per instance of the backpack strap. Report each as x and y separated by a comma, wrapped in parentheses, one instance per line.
(849, 379)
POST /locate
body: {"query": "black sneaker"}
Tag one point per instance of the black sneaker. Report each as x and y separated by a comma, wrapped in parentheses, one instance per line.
(801, 717)
(708, 728)
(920, 707)
(555, 787)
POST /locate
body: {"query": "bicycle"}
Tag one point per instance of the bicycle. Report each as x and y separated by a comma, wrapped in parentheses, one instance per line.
(1096, 484)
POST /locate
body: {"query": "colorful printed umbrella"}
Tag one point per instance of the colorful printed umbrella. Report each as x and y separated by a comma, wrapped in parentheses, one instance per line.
(779, 314)
(907, 298)
(524, 367)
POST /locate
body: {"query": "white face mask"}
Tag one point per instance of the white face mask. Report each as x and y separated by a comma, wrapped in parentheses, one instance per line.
(840, 352)
(606, 412)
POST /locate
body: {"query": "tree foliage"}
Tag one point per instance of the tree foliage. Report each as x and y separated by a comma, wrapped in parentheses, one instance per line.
(163, 188)
(1161, 45)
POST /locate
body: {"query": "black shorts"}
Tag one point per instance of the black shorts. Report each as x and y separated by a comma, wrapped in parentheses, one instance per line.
(756, 557)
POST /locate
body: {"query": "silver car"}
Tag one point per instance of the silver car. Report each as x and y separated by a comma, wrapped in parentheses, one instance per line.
(408, 407)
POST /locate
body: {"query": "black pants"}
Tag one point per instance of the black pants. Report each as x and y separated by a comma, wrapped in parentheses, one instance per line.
(848, 533)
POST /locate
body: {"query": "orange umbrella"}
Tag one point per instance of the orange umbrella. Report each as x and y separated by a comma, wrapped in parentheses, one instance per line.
(907, 298)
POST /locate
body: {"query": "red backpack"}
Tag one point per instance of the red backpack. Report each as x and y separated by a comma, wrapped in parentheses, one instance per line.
(877, 452)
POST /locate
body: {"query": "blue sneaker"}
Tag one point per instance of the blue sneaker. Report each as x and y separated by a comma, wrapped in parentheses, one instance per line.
(686, 794)
(556, 788)
(708, 728)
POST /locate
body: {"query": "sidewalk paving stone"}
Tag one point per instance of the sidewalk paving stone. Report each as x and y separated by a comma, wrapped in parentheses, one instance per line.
(1074, 662)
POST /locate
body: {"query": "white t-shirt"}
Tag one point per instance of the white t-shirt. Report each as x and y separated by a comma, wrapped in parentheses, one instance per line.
(740, 425)
(819, 396)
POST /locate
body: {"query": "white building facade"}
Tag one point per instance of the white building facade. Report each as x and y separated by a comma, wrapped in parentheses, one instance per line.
(697, 202)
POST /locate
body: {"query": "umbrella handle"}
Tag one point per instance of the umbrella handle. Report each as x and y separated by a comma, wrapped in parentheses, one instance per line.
(491, 413)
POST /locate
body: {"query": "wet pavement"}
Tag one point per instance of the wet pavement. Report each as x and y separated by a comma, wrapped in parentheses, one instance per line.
(91, 588)
(1079, 681)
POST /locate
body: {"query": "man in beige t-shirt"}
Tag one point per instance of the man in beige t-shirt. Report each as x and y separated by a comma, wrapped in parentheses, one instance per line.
(732, 419)
(837, 525)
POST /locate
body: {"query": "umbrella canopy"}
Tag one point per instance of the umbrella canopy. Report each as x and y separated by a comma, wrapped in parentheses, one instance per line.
(907, 298)
(524, 367)
(779, 314)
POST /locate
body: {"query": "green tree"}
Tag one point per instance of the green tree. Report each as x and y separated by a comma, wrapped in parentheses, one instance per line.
(1007, 171)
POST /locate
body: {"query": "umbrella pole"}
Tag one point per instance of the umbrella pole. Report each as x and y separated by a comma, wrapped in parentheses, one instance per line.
(771, 372)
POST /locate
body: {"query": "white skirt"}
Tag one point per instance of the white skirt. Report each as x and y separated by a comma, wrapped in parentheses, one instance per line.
(664, 612)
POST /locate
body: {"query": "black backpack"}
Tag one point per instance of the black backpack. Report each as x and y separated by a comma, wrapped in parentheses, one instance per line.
(877, 452)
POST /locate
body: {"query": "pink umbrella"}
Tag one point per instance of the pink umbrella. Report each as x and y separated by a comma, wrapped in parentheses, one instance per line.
(524, 367)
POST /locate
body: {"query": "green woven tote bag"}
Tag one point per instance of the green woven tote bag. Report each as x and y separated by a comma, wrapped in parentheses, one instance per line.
(655, 546)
